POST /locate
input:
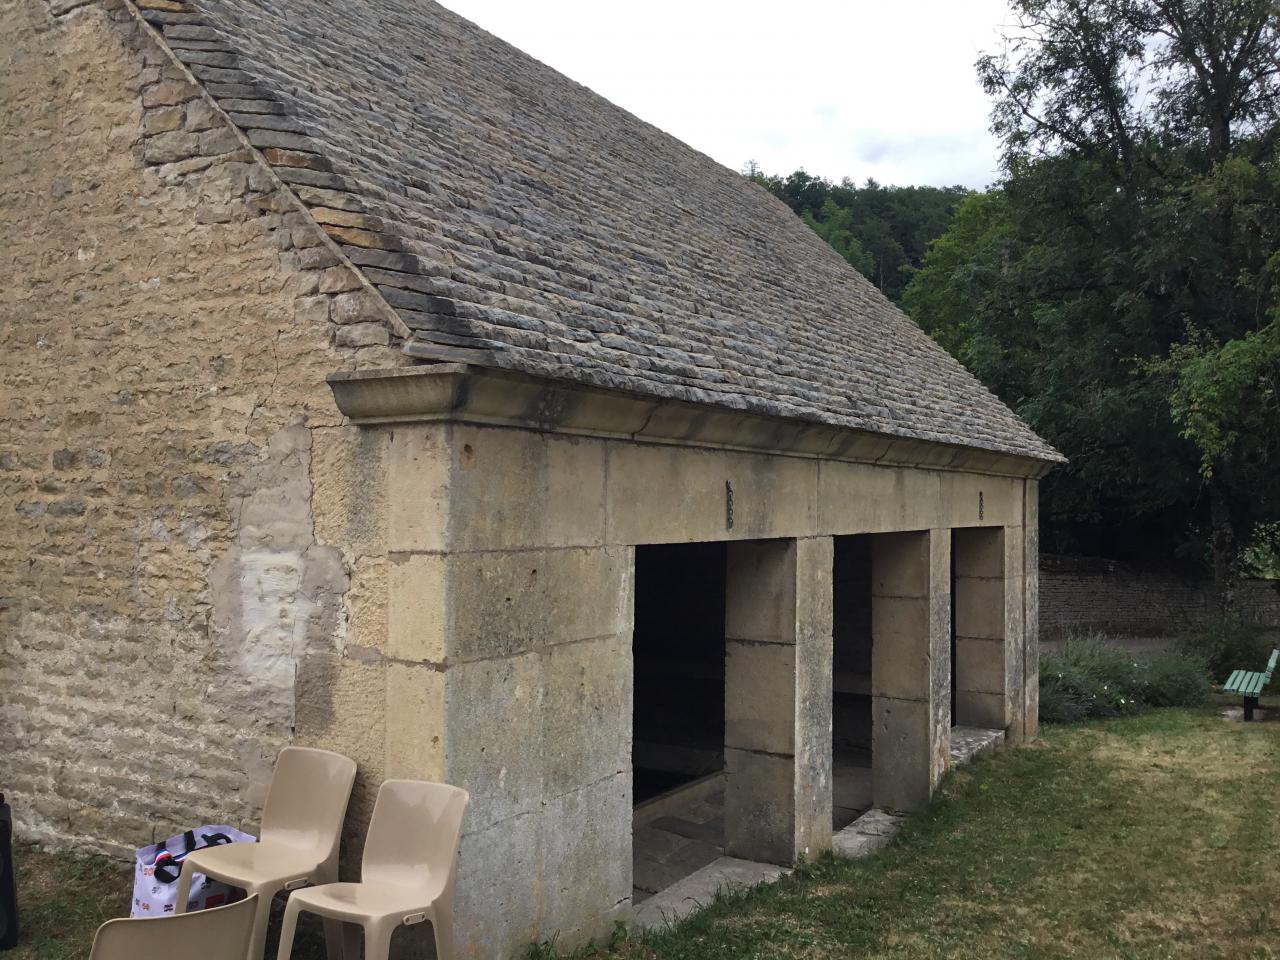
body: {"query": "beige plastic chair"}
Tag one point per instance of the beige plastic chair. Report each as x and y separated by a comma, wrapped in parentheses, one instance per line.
(219, 933)
(301, 828)
(406, 876)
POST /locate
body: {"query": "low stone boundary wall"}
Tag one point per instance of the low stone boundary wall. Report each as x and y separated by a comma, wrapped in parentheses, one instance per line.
(1092, 593)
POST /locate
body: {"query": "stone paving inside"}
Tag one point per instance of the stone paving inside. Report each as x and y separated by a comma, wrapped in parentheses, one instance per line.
(678, 853)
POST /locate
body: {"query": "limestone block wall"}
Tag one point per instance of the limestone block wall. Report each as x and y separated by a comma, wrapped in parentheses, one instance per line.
(520, 688)
(189, 532)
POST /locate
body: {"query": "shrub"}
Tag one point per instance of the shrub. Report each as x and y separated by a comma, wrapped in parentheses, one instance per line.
(1175, 680)
(1227, 645)
(1090, 678)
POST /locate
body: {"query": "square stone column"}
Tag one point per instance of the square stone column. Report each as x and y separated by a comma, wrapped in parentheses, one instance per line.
(910, 666)
(990, 642)
(1031, 612)
(778, 699)
(982, 660)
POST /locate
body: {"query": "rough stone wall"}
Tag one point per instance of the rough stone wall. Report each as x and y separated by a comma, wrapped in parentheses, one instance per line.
(1083, 593)
(1259, 601)
(185, 535)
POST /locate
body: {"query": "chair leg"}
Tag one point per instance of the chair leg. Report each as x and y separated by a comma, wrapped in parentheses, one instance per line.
(288, 927)
(335, 941)
(352, 935)
(1249, 704)
(336, 944)
(442, 927)
(377, 939)
(258, 945)
(184, 888)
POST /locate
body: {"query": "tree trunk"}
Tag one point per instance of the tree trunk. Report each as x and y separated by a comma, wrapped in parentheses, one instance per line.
(1222, 544)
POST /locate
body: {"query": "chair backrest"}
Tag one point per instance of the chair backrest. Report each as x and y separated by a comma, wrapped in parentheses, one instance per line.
(1271, 664)
(308, 798)
(219, 933)
(414, 834)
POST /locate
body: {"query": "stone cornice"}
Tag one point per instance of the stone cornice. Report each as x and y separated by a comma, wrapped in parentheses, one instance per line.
(465, 393)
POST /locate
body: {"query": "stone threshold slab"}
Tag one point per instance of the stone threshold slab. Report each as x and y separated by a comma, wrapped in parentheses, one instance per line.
(875, 829)
(969, 742)
(699, 888)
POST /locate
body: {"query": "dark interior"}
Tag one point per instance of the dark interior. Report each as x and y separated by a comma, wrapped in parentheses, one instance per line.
(679, 654)
(851, 656)
(851, 676)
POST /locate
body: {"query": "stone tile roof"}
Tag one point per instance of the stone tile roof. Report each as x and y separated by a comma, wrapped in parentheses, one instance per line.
(515, 219)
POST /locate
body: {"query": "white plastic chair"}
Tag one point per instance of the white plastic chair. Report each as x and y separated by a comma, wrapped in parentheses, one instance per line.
(219, 933)
(406, 876)
(301, 829)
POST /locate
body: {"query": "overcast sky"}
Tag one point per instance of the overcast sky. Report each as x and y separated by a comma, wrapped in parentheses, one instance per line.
(840, 87)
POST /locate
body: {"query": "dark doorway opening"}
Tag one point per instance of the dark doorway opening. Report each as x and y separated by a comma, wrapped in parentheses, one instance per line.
(679, 650)
(851, 702)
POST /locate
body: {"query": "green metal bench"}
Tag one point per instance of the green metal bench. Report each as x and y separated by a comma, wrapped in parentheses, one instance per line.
(1249, 684)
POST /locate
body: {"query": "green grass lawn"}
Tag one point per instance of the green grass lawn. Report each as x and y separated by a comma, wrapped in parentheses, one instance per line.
(1149, 837)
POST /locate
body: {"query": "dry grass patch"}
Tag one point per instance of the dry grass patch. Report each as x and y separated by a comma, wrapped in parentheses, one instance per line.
(1155, 837)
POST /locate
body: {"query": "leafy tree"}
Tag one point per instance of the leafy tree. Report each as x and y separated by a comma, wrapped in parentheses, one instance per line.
(835, 225)
(1119, 287)
(881, 230)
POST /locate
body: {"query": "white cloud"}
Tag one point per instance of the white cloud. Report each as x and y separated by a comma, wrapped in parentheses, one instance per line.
(854, 89)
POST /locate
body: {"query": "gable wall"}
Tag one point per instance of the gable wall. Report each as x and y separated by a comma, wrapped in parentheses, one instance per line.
(189, 534)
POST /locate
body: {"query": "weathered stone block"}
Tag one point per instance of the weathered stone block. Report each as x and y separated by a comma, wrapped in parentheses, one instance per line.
(513, 488)
(978, 709)
(586, 714)
(171, 147)
(349, 487)
(509, 602)
(362, 335)
(498, 898)
(417, 463)
(980, 609)
(759, 806)
(498, 753)
(760, 697)
(900, 650)
(980, 666)
(861, 498)
(901, 753)
(356, 306)
(417, 607)
(980, 552)
(586, 883)
(974, 500)
(900, 565)
(660, 494)
(161, 120)
(415, 724)
(761, 591)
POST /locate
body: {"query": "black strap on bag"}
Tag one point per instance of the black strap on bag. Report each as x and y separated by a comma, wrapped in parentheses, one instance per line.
(169, 871)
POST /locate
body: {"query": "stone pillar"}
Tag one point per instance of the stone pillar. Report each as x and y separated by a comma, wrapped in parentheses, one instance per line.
(910, 666)
(1031, 611)
(778, 699)
(982, 655)
(509, 645)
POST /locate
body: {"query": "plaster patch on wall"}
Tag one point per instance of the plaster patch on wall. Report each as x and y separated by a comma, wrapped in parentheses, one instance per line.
(277, 593)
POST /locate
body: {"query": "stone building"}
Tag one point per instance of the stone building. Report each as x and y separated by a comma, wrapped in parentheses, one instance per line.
(368, 384)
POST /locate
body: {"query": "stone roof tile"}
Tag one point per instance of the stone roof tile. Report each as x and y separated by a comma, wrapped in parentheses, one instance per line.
(515, 218)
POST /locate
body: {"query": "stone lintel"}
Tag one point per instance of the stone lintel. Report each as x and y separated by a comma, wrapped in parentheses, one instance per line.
(466, 393)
